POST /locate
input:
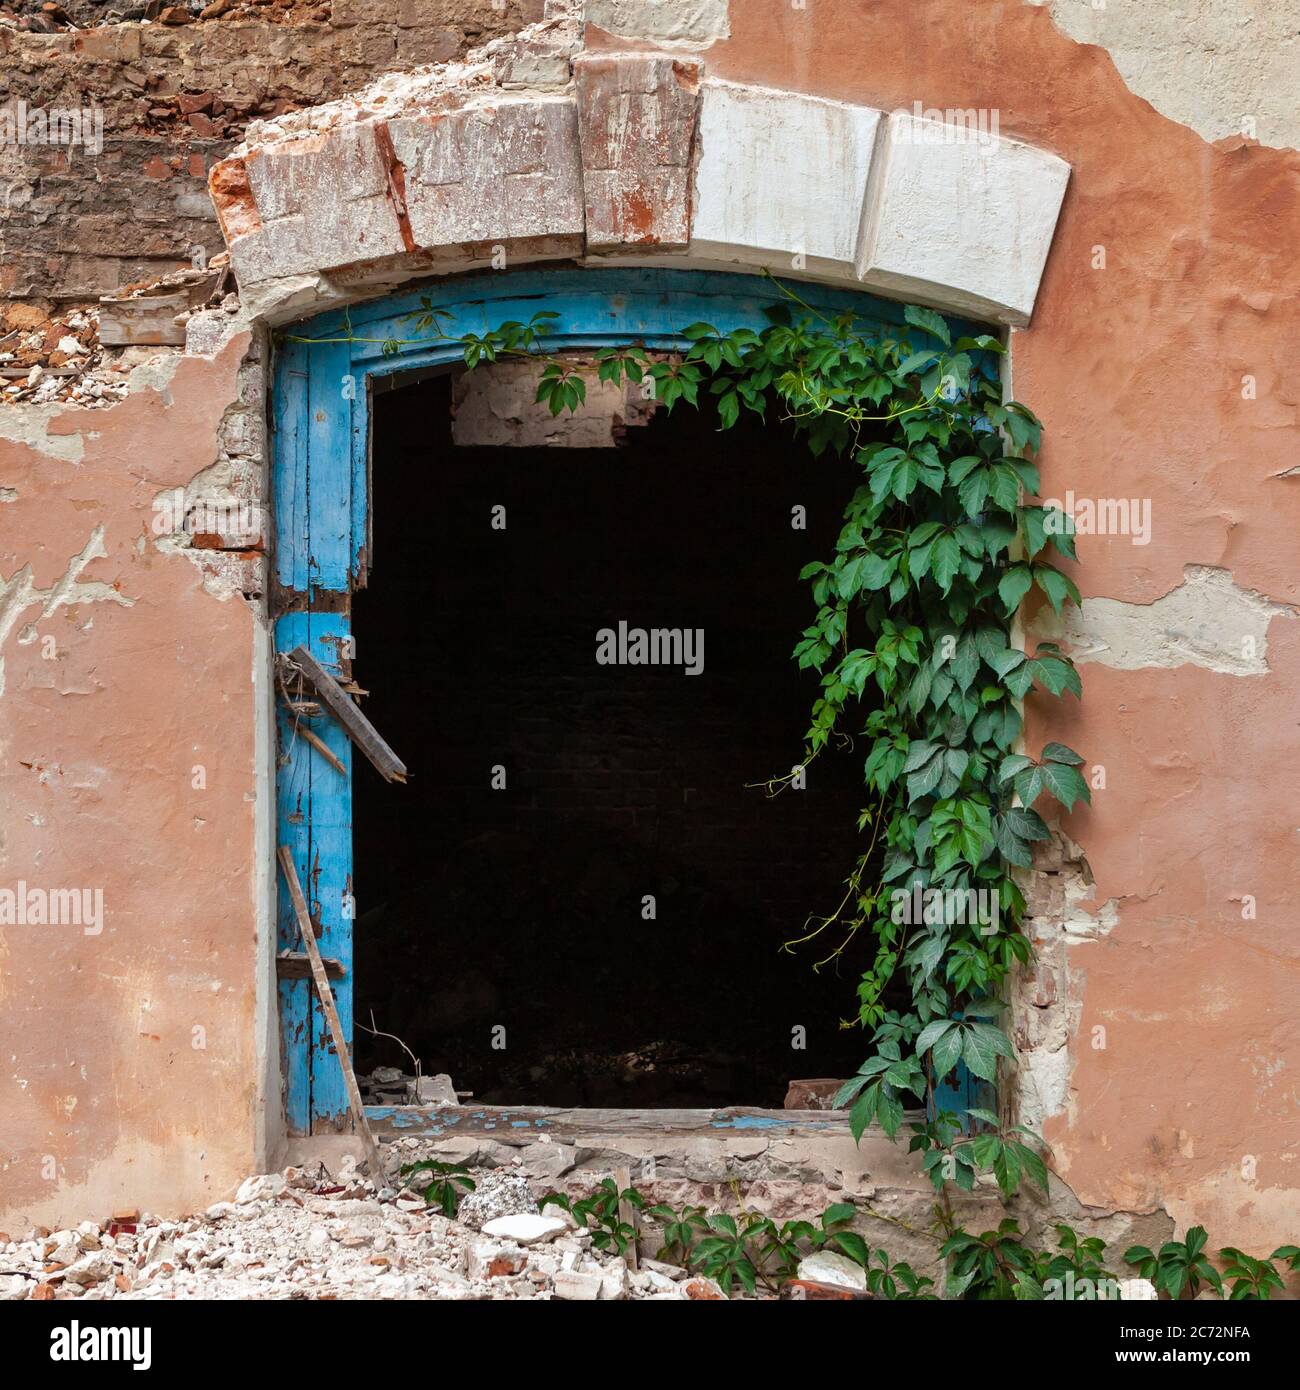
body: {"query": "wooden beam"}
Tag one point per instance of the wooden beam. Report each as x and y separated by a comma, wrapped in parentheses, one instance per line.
(355, 724)
(296, 965)
(627, 1212)
(322, 748)
(326, 995)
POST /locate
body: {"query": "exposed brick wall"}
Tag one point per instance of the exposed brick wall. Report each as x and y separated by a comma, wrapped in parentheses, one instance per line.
(174, 99)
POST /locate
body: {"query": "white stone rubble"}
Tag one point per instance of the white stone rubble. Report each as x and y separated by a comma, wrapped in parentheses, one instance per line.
(320, 1235)
(827, 1267)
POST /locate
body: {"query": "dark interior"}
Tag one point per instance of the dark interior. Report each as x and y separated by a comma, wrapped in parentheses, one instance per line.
(503, 933)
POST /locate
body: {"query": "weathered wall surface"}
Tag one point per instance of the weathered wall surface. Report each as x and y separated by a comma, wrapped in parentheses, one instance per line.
(1223, 67)
(1158, 357)
(128, 753)
(173, 98)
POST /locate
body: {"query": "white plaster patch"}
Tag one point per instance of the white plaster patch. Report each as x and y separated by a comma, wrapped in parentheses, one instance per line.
(781, 174)
(679, 24)
(497, 406)
(1207, 621)
(1047, 999)
(1222, 67)
(155, 375)
(19, 593)
(30, 424)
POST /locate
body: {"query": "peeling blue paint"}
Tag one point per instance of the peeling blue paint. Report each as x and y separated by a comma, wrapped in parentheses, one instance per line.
(321, 435)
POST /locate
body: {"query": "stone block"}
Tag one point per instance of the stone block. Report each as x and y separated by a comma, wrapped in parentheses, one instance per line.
(961, 217)
(637, 118)
(781, 175)
(326, 200)
(492, 173)
(577, 1287)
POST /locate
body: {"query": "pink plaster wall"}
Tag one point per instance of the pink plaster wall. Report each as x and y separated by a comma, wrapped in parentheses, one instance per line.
(1136, 370)
(105, 1097)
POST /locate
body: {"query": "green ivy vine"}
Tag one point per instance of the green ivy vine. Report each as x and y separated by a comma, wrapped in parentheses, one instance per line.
(912, 642)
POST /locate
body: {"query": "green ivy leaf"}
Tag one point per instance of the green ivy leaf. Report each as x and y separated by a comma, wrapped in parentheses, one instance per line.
(1057, 587)
(982, 1045)
(1014, 585)
(945, 559)
(928, 321)
(1065, 783)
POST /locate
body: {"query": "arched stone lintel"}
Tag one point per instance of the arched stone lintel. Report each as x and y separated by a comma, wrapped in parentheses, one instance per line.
(641, 156)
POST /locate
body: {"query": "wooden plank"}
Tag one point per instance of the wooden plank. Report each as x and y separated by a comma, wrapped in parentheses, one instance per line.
(293, 827)
(329, 437)
(296, 965)
(289, 472)
(323, 748)
(358, 728)
(326, 997)
(330, 884)
(598, 307)
(360, 465)
(146, 319)
(627, 1213)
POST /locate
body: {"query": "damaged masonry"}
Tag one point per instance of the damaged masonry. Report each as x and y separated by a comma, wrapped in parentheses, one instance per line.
(397, 402)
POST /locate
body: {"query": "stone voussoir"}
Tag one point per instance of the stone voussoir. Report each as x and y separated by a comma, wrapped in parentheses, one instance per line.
(492, 173)
(781, 174)
(637, 116)
(638, 154)
(960, 218)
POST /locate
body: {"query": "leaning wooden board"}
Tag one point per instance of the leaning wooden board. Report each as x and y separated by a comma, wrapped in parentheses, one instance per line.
(326, 995)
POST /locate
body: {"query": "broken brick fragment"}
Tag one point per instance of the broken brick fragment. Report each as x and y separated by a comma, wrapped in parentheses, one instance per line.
(810, 1291)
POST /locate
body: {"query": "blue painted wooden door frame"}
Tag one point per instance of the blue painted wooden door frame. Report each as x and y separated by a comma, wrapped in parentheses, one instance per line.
(321, 439)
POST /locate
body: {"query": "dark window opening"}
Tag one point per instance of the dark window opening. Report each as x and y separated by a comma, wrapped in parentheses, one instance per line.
(503, 933)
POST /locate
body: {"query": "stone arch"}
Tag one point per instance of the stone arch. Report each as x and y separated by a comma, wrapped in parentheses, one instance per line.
(541, 152)
(545, 152)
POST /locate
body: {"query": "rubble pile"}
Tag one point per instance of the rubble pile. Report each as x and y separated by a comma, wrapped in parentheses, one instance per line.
(49, 355)
(45, 357)
(310, 1234)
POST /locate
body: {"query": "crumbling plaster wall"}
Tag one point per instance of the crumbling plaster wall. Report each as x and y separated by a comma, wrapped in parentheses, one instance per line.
(1223, 67)
(1157, 356)
(140, 1065)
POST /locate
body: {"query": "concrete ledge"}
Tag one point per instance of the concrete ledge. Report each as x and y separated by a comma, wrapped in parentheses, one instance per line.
(524, 1124)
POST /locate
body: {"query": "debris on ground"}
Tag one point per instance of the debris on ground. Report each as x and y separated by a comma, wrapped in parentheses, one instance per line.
(312, 1234)
(392, 1086)
(496, 1195)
